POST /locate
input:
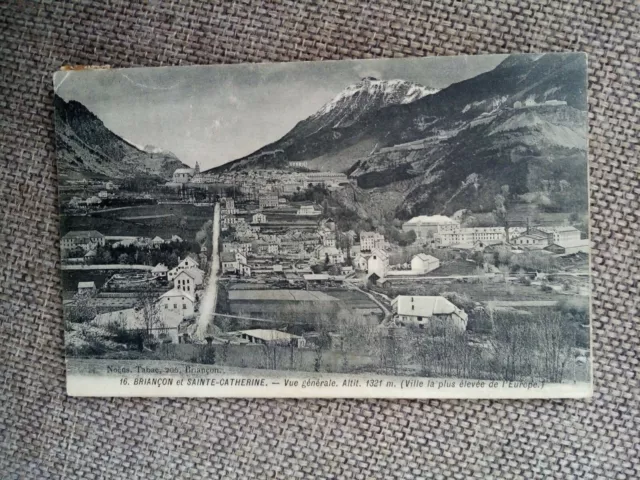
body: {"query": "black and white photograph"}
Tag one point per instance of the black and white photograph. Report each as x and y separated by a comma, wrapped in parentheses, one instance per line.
(410, 227)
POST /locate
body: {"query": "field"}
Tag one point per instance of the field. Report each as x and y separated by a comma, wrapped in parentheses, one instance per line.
(161, 220)
(70, 278)
(453, 267)
(478, 292)
(353, 299)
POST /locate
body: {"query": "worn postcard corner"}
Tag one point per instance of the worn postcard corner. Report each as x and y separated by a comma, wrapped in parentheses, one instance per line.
(399, 228)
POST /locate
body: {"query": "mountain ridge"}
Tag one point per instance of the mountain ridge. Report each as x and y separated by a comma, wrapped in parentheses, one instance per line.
(436, 148)
(86, 148)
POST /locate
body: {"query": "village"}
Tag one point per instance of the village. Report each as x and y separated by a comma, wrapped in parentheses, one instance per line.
(286, 272)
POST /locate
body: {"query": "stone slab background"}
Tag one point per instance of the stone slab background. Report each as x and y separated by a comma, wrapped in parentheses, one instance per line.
(44, 434)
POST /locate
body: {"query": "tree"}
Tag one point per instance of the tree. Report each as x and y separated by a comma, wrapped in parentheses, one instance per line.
(149, 312)
(555, 339)
(124, 259)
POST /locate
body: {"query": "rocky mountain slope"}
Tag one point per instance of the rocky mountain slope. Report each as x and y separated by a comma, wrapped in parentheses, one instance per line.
(86, 148)
(319, 138)
(522, 124)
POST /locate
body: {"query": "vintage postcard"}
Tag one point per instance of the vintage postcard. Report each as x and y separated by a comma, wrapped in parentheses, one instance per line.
(412, 228)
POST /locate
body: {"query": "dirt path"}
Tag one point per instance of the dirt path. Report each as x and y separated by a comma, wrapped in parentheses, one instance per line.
(208, 305)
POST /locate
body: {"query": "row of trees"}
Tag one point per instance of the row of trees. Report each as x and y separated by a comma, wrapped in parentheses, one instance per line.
(541, 345)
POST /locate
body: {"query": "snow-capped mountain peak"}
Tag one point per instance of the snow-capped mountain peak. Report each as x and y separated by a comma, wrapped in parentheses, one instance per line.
(356, 100)
(387, 92)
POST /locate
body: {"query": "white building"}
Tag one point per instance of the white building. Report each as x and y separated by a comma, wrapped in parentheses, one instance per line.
(532, 241)
(470, 236)
(271, 337)
(378, 263)
(242, 247)
(186, 280)
(178, 302)
(103, 194)
(268, 201)
(329, 240)
(235, 263)
(183, 175)
(361, 261)
(326, 178)
(561, 235)
(85, 239)
(426, 310)
(259, 218)
(371, 240)
(157, 241)
(301, 164)
(423, 263)
(87, 288)
(186, 264)
(425, 226)
(335, 255)
(160, 271)
(307, 210)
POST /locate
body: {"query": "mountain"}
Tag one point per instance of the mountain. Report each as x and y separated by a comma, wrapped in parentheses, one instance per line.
(522, 124)
(86, 148)
(316, 135)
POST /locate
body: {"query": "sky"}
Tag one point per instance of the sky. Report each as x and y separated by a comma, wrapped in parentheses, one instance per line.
(215, 114)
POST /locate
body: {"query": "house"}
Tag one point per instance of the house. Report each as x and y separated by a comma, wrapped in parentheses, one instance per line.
(176, 238)
(157, 241)
(241, 258)
(259, 218)
(467, 237)
(230, 204)
(299, 164)
(110, 185)
(84, 239)
(334, 254)
(271, 337)
(103, 194)
(361, 261)
(307, 210)
(183, 175)
(532, 241)
(425, 226)
(185, 281)
(325, 178)
(273, 248)
(371, 240)
(569, 248)
(329, 240)
(87, 288)
(423, 263)
(93, 200)
(378, 263)
(561, 235)
(178, 302)
(244, 248)
(160, 271)
(229, 262)
(268, 201)
(186, 264)
(427, 310)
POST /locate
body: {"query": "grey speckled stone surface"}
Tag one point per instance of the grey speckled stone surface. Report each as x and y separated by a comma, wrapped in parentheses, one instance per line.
(44, 434)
